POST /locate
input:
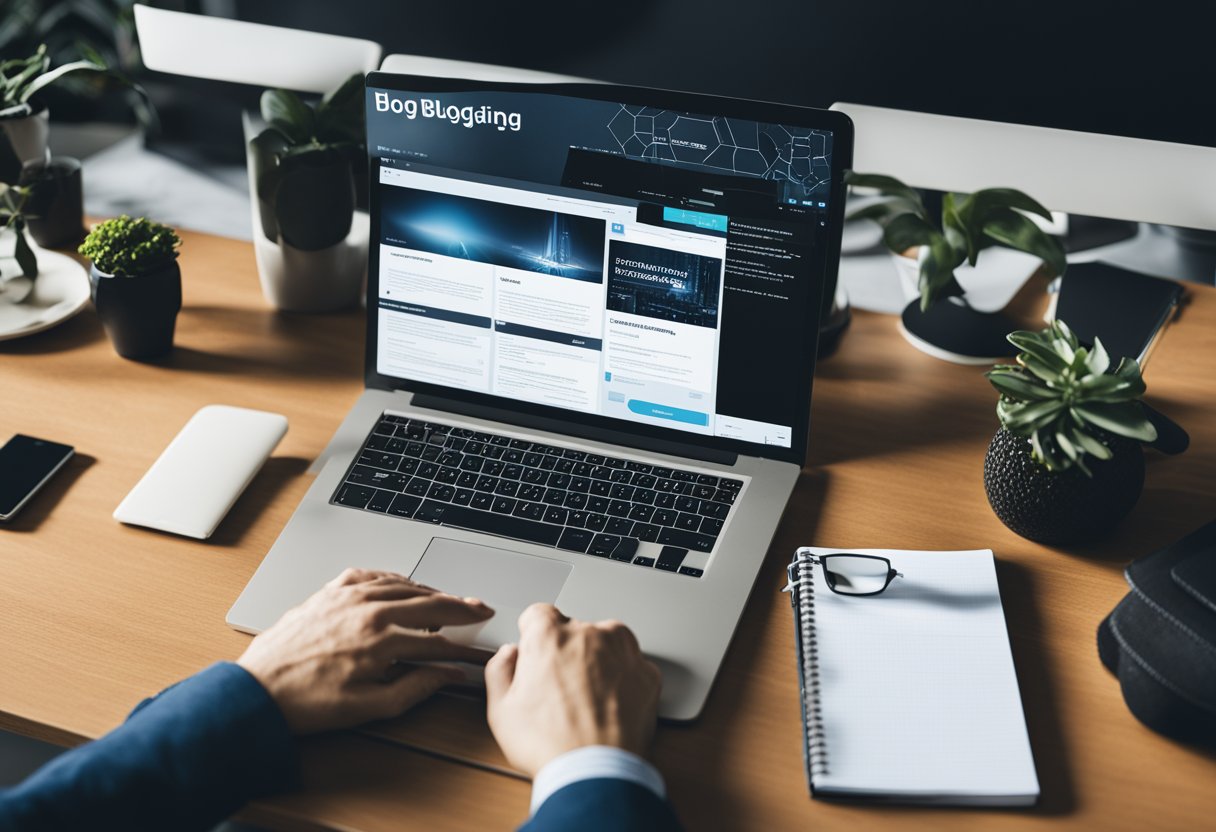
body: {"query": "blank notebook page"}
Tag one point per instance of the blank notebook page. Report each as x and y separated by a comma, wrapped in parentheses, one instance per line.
(917, 687)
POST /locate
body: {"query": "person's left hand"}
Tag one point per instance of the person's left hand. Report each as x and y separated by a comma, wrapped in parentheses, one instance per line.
(342, 657)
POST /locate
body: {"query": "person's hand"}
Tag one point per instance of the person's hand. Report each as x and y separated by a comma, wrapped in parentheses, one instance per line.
(341, 658)
(569, 684)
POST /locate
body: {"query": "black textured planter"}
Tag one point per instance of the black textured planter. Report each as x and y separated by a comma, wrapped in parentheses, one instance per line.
(56, 207)
(1060, 507)
(138, 313)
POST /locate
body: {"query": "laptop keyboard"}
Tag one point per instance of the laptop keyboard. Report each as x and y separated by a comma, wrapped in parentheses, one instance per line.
(571, 500)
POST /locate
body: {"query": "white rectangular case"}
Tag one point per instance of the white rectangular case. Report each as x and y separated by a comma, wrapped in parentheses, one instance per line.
(198, 477)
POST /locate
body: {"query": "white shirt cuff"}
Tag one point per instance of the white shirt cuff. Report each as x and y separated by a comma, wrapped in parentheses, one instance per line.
(593, 762)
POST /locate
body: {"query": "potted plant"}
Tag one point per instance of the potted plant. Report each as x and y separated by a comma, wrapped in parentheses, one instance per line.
(18, 265)
(1067, 462)
(929, 251)
(311, 254)
(135, 283)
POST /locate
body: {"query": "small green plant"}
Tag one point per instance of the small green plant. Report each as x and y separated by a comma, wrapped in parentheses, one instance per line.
(13, 199)
(968, 225)
(22, 78)
(1066, 399)
(125, 247)
(303, 163)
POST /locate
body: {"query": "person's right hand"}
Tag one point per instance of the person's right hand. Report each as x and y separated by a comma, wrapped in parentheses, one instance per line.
(569, 684)
(347, 654)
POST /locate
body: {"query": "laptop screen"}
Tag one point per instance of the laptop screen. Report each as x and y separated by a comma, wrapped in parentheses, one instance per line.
(647, 262)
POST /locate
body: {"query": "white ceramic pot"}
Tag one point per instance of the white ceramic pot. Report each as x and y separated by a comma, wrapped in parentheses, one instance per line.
(322, 280)
(909, 273)
(28, 137)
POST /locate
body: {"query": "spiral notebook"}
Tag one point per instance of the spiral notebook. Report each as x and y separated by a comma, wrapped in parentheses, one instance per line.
(910, 696)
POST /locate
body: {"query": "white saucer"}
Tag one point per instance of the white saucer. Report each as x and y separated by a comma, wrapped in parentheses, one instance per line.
(61, 290)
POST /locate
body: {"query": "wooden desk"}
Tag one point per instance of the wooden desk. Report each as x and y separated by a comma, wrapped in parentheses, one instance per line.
(95, 615)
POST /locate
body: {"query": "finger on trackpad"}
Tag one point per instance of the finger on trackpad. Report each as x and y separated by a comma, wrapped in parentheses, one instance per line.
(508, 581)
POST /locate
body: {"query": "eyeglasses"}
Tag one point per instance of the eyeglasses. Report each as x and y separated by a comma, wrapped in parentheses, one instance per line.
(849, 574)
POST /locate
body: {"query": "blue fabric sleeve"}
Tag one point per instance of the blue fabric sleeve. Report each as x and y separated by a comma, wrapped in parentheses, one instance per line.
(594, 762)
(603, 805)
(185, 759)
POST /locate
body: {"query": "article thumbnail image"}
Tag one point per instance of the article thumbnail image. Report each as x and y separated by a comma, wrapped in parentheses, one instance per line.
(664, 284)
(562, 245)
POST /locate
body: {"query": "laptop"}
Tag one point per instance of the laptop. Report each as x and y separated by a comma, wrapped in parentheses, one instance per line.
(591, 333)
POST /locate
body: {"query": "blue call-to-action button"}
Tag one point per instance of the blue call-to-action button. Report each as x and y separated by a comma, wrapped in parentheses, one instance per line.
(675, 414)
(714, 222)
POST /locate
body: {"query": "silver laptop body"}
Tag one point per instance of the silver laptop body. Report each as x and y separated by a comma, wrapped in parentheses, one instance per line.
(690, 173)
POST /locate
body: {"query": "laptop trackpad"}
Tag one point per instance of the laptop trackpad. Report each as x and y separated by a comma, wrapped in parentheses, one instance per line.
(507, 581)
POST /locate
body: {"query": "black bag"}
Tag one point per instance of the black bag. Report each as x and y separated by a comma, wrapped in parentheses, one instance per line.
(1161, 639)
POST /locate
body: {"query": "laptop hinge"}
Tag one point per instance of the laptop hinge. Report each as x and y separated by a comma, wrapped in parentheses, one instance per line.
(524, 420)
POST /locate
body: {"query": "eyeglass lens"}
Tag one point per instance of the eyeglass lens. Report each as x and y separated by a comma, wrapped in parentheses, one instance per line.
(856, 574)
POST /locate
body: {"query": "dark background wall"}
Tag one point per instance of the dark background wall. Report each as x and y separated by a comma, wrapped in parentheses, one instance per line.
(1142, 69)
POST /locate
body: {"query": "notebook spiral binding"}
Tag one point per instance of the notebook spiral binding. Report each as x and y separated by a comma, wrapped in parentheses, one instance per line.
(801, 586)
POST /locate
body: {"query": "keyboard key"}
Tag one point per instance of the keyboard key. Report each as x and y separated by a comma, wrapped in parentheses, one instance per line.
(520, 444)
(535, 475)
(688, 540)
(533, 493)
(414, 449)
(599, 505)
(463, 496)
(600, 488)
(441, 492)
(715, 510)
(710, 526)
(379, 459)
(385, 428)
(577, 519)
(404, 505)
(575, 540)
(621, 492)
(512, 472)
(449, 458)
(493, 468)
(646, 532)
(485, 483)
(575, 500)
(554, 496)
(503, 525)
(688, 522)
(665, 500)
(467, 480)
(447, 476)
(501, 441)
(471, 463)
(703, 492)
(613, 462)
(596, 522)
(641, 561)
(418, 486)
(504, 505)
(507, 488)
(377, 442)
(493, 452)
(670, 558)
(603, 545)
(548, 463)
(474, 447)
(456, 443)
(408, 465)
(530, 511)
(620, 476)
(595, 459)
(559, 481)
(547, 449)
(664, 517)
(691, 571)
(364, 475)
(645, 496)
(580, 484)
(427, 470)
(640, 467)
(625, 550)
(683, 476)
(513, 455)
(707, 479)
(578, 456)
(644, 480)
(563, 466)
(619, 525)
(430, 453)
(481, 500)
(641, 512)
(582, 469)
(619, 508)
(688, 504)
(724, 496)
(381, 500)
(667, 486)
(556, 515)
(531, 460)
(601, 472)
(680, 487)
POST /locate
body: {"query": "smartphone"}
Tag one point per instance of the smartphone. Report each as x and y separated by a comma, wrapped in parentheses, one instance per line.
(26, 464)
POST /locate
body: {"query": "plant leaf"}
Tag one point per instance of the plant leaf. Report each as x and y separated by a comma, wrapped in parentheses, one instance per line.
(1033, 344)
(883, 212)
(1098, 360)
(287, 113)
(340, 113)
(1123, 419)
(888, 185)
(1033, 415)
(1016, 231)
(48, 78)
(1017, 386)
(907, 231)
(1066, 446)
(937, 272)
(1091, 445)
(22, 253)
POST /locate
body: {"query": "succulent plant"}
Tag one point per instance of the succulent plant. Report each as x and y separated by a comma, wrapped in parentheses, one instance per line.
(968, 225)
(1066, 400)
(125, 247)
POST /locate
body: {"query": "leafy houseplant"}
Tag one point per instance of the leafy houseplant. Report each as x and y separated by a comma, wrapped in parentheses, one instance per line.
(968, 225)
(302, 169)
(136, 284)
(13, 202)
(1066, 463)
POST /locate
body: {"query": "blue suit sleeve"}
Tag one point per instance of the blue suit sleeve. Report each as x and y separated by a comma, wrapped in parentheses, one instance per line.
(185, 759)
(603, 805)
